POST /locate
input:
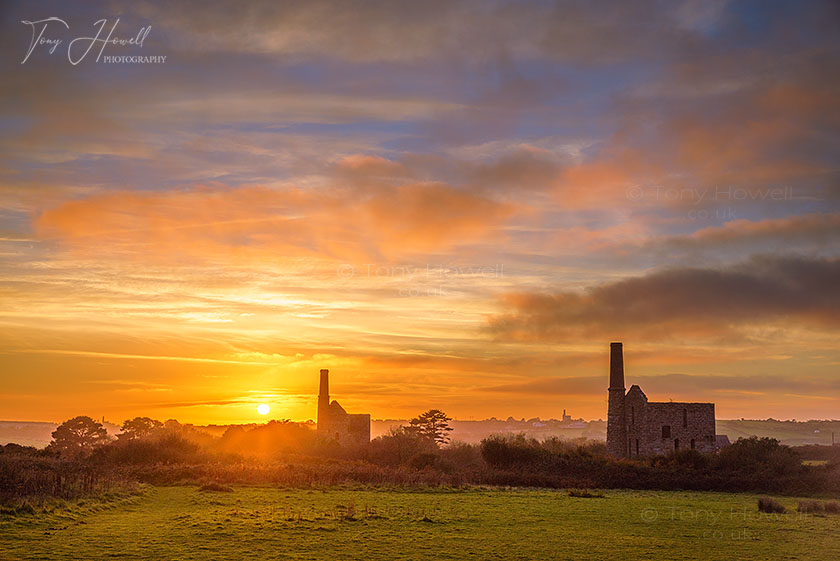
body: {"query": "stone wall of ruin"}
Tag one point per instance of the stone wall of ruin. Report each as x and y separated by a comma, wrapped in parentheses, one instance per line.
(687, 421)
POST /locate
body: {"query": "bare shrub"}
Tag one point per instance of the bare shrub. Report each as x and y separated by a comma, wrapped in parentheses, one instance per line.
(766, 504)
(810, 506)
(585, 494)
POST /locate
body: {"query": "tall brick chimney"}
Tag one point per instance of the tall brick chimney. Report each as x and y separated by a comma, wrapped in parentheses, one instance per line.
(323, 400)
(616, 423)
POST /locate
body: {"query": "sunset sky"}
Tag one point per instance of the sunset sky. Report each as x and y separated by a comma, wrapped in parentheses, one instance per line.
(448, 204)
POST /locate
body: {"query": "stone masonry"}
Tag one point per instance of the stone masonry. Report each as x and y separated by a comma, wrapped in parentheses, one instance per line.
(638, 427)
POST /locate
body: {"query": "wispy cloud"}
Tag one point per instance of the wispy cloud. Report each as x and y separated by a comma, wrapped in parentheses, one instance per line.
(95, 354)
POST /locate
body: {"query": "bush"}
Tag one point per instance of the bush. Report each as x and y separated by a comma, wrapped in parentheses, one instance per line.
(399, 447)
(684, 459)
(832, 507)
(506, 452)
(423, 461)
(167, 448)
(810, 506)
(42, 475)
(766, 504)
(462, 456)
(759, 455)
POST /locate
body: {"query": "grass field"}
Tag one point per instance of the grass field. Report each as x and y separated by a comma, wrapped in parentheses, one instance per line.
(268, 523)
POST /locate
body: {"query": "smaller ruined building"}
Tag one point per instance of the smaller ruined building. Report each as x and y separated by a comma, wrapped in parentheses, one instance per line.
(638, 427)
(334, 423)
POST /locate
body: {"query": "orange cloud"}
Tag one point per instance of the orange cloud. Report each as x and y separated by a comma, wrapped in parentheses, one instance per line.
(603, 182)
(370, 166)
(813, 228)
(208, 221)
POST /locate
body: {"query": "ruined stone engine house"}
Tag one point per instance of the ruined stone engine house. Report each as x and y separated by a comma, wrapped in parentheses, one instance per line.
(334, 423)
(638, 427)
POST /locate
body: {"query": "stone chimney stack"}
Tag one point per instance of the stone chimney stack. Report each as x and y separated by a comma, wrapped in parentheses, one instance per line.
(616, 421)
(324, 399)
(616, 366)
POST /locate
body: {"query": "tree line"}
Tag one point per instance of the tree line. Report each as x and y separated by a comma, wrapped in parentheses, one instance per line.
(83, 459)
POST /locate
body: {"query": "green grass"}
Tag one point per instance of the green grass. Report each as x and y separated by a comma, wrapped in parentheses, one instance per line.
(269, 523)
(69, 509)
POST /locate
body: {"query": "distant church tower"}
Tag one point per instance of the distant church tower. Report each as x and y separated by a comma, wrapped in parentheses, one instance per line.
(616, 422)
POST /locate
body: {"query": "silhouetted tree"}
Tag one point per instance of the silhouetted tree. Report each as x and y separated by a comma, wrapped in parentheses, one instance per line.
(78, 435)
(433, 425)
(138, 427)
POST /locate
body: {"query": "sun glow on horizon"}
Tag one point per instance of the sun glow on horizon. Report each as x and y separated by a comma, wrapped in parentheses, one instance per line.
(263, 409)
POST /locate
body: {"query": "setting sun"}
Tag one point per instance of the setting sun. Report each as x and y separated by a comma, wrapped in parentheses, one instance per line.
(263, 409)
